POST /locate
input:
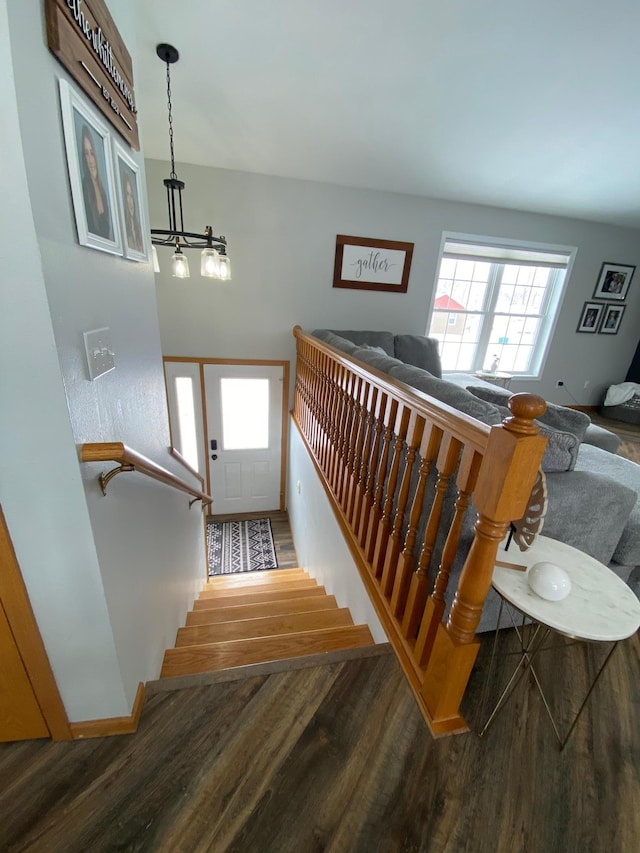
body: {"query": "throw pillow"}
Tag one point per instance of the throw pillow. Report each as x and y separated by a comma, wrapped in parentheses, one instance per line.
(562, 448)
(336, 341)
(371, 338)
(557, 417)
(420, 352)
(376, 357)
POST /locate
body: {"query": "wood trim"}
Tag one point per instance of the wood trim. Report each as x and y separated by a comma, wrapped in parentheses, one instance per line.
(205, 427)
(180, 458)
(268, 362)
(116, 451)
(111, 725)
(285, 436)
(264, 362)
(23, 624)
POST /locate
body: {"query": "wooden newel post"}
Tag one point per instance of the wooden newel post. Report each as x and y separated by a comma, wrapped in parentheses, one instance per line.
(507, 474)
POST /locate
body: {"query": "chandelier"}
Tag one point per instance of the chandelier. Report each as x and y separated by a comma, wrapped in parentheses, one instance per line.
(214, 261)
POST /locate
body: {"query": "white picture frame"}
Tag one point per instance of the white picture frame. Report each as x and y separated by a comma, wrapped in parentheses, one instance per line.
(135, 233)
(90, 165)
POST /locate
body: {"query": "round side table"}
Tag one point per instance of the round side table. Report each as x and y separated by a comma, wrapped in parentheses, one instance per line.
(599, 608)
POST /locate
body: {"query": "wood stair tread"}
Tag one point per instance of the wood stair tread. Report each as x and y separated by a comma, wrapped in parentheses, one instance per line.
(265, 626)
(258, 596)
(279, 607)
(214, 656)
(246, 589)
(266, 576)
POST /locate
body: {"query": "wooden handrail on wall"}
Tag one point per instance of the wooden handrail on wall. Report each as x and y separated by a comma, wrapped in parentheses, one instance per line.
(129, 460)
(401, 469)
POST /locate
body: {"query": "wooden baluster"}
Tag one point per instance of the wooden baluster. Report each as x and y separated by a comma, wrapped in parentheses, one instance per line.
(429, 447)
(369, 420)
(372, 462)
(394, 546)
(508, 472)
(333, 420)
(418, 590)
(376, 509)
(356, 464)
(384, 525)
(345, 429)
(325, 407)
(434, 611)
(350, 439)
(341, 379)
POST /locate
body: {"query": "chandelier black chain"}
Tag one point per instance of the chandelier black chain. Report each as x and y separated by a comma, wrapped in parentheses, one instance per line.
(173, 162)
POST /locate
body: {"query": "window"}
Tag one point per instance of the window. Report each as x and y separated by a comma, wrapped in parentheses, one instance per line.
(495, 304)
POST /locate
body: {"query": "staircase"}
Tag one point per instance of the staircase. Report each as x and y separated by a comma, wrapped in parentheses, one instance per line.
(257, 617)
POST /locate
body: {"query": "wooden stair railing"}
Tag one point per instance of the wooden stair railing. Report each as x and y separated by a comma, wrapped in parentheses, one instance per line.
(401, 471)
(130, 460)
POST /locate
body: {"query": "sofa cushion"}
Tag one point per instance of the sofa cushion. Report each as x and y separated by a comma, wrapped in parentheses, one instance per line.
(420, 352)
(592, 511)
(377, 358)
(447, 392)
(334, 340)
(603, 438)
(623, 472)
(558, 417)
(369, 338)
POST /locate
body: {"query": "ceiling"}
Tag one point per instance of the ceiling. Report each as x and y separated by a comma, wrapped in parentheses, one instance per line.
(526, 105)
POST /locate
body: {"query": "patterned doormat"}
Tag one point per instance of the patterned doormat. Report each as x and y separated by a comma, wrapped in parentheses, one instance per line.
(240, 546)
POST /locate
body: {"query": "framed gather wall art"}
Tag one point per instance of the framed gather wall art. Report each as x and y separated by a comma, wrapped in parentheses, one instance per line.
(613, 282)
(363, 263)
(90, 164)
(134, 229)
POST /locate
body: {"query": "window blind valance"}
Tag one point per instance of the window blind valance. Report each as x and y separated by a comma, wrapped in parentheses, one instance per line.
(497, 254)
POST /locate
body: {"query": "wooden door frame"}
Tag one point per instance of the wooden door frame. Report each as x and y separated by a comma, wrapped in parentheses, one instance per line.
(22, 621)
(255, 362)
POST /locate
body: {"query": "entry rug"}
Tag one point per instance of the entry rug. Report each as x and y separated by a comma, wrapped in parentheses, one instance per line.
(240, 546)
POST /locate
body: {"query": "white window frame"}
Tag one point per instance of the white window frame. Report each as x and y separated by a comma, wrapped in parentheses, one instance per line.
(509, 250)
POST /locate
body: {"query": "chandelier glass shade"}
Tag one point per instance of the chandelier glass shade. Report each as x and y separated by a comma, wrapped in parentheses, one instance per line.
(214, 261)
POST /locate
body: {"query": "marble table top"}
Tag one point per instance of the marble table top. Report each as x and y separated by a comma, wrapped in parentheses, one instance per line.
(600, 605)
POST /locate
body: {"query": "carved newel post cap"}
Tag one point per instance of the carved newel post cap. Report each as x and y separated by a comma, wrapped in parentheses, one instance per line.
(524, 409)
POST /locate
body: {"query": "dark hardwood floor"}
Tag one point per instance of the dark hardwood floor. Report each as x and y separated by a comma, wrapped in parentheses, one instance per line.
(337, 758)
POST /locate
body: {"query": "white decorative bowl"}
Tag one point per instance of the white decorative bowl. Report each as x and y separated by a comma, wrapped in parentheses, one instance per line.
(549, 581)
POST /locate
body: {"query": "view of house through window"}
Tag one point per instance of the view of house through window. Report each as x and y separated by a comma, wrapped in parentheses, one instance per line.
(495, 305)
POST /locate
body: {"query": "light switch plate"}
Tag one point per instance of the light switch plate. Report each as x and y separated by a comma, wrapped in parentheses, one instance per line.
(97, 344)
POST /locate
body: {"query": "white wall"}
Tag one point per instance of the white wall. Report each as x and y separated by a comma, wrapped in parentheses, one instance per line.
(281, 237)
(110, 578)
(320, 545)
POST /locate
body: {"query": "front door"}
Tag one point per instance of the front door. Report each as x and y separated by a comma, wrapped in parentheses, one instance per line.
(243, 404)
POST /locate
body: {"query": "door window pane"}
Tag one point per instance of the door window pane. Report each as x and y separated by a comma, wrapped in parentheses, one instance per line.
(188, 443)
(245, 413)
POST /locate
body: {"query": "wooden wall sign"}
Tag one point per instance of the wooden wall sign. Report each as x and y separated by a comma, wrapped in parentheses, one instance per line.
(82, 36)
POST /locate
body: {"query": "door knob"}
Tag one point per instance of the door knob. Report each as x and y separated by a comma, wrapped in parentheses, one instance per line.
(214, 456)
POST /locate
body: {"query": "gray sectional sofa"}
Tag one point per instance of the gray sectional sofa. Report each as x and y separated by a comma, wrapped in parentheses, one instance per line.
(593, 494)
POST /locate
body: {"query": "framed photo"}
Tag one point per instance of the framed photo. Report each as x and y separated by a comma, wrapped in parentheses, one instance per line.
(611, 319)
(90, 165)
(134, 227)
(613, 282)
(362, 263)
(590, 317)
